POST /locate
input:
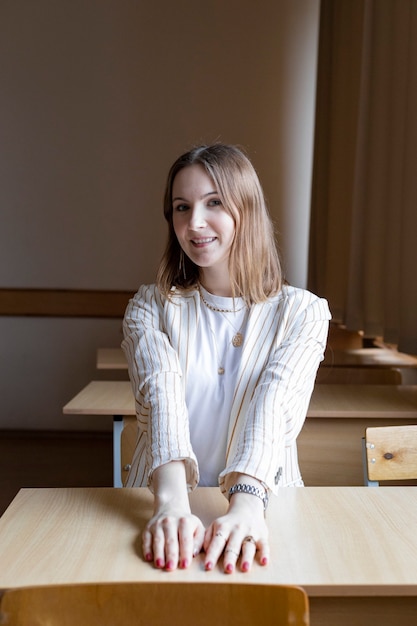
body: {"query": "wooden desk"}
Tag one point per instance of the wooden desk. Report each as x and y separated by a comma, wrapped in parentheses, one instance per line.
(354, 550)
(114, 358)
(329, 444)
(368, 357)
(106, 397)
(111, 359)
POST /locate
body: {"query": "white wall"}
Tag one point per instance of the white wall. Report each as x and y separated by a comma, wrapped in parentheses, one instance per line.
(98, 97)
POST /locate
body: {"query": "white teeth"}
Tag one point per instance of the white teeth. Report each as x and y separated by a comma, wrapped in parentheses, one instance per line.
(208, 240)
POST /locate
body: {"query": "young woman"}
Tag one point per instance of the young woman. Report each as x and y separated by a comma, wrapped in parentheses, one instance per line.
(222, 357)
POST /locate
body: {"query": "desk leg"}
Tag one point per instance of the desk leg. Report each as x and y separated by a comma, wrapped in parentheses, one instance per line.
(117, 435)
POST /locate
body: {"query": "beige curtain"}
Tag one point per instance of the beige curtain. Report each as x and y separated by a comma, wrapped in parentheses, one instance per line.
(363, 243)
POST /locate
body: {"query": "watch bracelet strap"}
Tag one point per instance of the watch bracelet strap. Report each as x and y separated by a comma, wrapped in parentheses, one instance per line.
(251, 490)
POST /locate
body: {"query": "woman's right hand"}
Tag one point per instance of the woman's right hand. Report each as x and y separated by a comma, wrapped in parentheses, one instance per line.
(174, 535)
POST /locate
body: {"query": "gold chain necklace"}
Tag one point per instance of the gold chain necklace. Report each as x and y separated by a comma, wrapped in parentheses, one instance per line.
(237, 339)
(215, 308)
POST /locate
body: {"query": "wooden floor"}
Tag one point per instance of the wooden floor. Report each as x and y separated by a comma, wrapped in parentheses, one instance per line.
(44, 459)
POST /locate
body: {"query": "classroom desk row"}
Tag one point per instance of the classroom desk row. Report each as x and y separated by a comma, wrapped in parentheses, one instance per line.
(114, 358)
(329, 444)
(353, 549)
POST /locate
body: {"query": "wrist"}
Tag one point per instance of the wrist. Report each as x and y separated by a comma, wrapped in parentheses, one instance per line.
(250, 490)
(170, 486)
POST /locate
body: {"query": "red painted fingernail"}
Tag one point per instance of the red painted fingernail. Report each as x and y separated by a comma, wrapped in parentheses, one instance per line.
(245, 567)
(209, 566)
(264, 561)
(148, 556)
(169, 565)
(184, 564)
(229, 568)
(159, 563)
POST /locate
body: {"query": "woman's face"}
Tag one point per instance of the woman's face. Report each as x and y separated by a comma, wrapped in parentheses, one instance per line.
(204, 228)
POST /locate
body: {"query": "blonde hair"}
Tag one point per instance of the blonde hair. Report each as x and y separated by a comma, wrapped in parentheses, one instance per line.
(254, 264)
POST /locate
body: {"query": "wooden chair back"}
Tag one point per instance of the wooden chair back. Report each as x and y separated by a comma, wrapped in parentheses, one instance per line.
(389, 453)
(156, 604)
(342, 339)
(127, 445)
(358, 376)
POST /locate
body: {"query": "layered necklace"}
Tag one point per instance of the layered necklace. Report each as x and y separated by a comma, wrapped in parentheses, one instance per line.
(237, 338)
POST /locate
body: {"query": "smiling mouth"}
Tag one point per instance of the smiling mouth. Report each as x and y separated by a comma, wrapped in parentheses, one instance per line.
(203, 241)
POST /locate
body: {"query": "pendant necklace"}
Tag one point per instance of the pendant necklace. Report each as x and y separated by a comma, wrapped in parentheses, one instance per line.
(221, 362)
(237, 338)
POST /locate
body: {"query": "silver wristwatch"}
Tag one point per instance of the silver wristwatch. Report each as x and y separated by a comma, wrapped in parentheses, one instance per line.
(253, 491)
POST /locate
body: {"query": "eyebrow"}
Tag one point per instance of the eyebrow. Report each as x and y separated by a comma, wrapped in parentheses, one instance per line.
(209, 193)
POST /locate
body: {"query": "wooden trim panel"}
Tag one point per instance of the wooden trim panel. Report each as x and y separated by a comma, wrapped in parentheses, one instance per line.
(63, 302)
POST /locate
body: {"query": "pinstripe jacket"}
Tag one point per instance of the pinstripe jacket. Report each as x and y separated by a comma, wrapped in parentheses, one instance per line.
(284, 344)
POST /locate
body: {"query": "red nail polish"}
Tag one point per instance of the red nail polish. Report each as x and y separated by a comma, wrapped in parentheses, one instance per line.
(184, 564)
(245, 567)
(159, 563)
(229, 568)
(209, 566)
(264, 561)
(148, 556)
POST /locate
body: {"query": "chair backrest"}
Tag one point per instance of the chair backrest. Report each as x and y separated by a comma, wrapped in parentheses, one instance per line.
(389, 453)
(358, 376)
(127, 445)
(342, 339)
(156, 604)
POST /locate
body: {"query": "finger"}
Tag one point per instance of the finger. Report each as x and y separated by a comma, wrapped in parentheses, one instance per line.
(158, 546)
(186, 541)
(207, 537)
(231, 555)
(248, 553)
(147, 545)
(263, 552)
(171, 541)
(215, 549)
(213, 534)
(199, 535)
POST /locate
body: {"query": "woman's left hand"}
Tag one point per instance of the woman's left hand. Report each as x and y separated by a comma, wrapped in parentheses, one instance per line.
(240, 534)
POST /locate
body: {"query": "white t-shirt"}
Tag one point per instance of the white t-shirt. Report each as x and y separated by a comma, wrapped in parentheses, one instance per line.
(209, 394)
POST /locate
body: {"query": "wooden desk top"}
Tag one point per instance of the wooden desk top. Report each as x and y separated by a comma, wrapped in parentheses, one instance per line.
(364, 357)
(369, 401)
(103, 397)
(111, 359)
(114, 358)
(333, 401)
(350, 541)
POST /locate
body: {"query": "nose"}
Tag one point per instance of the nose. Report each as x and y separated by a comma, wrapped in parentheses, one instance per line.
(197, 218)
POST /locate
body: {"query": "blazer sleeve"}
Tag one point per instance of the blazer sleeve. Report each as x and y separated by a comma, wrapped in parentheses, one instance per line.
(157, 382)
(278, 405)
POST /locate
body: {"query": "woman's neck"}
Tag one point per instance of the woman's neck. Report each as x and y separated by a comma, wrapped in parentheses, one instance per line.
(218, 285)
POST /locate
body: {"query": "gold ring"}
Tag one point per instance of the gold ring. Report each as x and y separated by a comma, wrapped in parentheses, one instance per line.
(249, 539)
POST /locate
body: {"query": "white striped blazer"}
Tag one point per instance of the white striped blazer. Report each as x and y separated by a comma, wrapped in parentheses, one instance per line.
(284, 344)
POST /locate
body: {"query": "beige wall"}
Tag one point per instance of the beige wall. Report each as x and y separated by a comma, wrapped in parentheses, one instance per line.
(98, 97)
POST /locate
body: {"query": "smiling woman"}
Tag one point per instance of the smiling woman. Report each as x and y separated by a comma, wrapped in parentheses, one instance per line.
(253, 263)
(222, 357)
